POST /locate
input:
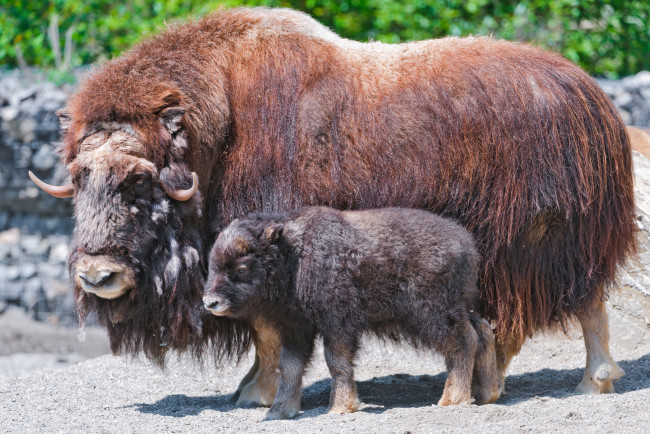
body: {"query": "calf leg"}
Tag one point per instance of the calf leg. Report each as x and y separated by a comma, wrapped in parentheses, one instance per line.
(601, 370)
(340, 361)
(459, 351)
(258, 387)
(485, 384)
(293, 360)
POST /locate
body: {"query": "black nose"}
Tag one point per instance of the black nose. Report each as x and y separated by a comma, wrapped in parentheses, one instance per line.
(96, 279)
(213, 304)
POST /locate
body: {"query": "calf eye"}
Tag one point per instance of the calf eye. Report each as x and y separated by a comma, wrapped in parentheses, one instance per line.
(241, 269)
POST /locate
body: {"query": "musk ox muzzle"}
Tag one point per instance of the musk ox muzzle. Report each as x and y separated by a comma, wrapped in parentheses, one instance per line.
(103, 276)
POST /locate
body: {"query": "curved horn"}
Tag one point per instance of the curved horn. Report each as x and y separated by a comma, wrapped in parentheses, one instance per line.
(54, 190)
(183, 195)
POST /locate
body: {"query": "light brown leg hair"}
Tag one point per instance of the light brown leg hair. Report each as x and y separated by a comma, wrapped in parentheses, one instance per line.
(601, 370)
(485, 384)
(505, 352)
(460, 366)
(343, 396)
(258, 387)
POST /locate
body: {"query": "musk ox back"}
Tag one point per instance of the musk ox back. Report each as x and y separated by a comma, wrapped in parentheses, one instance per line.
(398, 273)
(273, 111)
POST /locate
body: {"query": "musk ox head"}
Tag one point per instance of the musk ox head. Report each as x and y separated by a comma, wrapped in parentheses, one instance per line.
(242, 259)
(136, 246)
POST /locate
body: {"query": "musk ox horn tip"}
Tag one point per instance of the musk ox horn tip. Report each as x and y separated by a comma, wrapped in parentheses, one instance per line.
(54, 190)
(183, 195)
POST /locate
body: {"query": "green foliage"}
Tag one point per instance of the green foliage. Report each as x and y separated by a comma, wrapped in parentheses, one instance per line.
(608, 38)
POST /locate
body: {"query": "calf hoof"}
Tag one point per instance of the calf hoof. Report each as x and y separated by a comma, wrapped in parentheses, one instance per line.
(487, 397)
(349, 407)
(281, 413)
(601, 380)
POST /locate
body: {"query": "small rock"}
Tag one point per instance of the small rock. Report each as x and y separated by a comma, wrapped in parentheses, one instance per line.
(28, 270)
(9, 273)
(59, 253)
(634, 82)
(10, 291)
(8, 114)
(10, 236)
(34, 245)
(45, 158)
(32, 293)
(624, 100)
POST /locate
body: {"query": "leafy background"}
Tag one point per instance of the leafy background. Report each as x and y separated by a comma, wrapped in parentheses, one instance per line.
(607, 38)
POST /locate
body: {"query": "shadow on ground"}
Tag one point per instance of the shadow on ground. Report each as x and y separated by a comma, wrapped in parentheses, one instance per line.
(402, 390)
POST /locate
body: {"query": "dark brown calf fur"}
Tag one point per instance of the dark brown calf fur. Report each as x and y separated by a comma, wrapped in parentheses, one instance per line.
(398, 273)
(273, 112)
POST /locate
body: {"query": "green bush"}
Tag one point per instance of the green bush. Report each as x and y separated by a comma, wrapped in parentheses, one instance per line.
(609, 38)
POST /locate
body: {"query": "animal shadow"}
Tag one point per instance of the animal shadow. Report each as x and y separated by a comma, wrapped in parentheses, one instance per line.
(183, 405)
(402, 390)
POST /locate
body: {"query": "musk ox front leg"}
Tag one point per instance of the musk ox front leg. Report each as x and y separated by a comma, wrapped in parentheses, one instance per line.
(601, 370)
(259, 386)
(505, 352)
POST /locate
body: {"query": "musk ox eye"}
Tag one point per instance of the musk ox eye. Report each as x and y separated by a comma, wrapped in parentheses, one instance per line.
(241, 269)
(141, 186)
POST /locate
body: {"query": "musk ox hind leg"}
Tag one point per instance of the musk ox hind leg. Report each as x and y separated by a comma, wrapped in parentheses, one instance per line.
(258, 387)
(459, 352)
(505, 351)
(601, 371)
(485, 381)
(340, 361)
(296, 352)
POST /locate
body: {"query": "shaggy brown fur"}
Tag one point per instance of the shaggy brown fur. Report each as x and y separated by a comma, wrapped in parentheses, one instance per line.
(400, 273)
(518, 144)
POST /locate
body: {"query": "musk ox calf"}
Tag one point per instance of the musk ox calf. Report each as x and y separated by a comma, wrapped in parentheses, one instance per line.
(399, 273)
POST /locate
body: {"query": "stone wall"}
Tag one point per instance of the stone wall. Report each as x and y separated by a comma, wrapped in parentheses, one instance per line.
(35, 227)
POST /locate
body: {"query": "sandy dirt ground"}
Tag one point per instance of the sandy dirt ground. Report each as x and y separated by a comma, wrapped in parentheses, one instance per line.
(398, 386)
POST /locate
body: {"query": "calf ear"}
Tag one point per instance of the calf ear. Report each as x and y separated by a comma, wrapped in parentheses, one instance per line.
(171, 118)
(64, 120)
(273, 233)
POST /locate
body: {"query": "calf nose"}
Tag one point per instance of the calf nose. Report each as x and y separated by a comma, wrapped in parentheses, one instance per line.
(212, 302)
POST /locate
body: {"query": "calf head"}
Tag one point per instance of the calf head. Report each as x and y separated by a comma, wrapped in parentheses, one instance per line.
(243, 261)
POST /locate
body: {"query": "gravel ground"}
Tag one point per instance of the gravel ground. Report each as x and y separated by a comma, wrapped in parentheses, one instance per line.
(398, 386)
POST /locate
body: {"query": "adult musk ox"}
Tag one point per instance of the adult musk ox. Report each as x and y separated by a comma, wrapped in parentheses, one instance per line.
(273, 111)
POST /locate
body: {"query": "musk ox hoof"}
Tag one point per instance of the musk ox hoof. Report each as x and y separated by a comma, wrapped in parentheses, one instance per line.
(283, 413)
(600, 380)
(260, 392)
(252, 395)
(445, 401)
(350, 407)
